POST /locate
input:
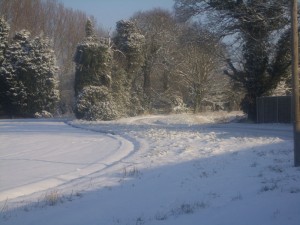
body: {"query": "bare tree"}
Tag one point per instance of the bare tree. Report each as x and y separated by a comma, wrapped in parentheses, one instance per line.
(255, 23)
(161, 35)
(199, 62)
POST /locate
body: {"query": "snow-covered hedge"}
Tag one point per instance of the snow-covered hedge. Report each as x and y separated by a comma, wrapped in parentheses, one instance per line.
(96, 103)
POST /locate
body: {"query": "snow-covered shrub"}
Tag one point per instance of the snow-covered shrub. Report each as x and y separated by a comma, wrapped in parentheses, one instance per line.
(96, 103)
(169, 102)
(43, 114)
(178, 105)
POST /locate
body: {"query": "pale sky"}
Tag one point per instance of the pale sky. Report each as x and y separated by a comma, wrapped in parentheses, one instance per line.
(108, 12)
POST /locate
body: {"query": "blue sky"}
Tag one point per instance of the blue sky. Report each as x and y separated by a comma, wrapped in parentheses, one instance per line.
(108, 12)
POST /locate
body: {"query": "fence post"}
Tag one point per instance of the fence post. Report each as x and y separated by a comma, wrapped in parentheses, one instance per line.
(295, 60)
(257, 111)
(277, 110)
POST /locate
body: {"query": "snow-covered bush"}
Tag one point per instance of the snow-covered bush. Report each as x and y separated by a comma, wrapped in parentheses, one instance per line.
(96, 103)
(43, 114)
(169, 102)
(178, 105)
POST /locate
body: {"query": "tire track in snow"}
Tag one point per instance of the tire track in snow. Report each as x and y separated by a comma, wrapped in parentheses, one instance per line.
(126, 142)
(122, 150)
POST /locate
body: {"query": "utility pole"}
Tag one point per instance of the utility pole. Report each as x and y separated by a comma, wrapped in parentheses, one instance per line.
(295, 83)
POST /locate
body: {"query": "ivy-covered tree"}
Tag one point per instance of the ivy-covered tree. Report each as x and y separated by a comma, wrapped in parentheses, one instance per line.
(130, 42)
(93, 61)
(4, 32)
(30, 74)
(129, 55)
(93, 57)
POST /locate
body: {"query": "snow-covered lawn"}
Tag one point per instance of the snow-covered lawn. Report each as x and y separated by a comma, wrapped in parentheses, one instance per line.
(166, 170)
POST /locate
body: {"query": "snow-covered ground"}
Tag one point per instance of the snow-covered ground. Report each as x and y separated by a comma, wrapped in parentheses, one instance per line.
(167, 170)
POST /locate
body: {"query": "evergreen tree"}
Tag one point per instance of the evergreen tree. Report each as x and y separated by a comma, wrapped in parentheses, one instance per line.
(30, 74)
(15, 56)
(4, 32)
(44, 94)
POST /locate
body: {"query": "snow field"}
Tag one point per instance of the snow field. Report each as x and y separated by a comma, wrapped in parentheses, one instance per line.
(178, 169)
(48, 158)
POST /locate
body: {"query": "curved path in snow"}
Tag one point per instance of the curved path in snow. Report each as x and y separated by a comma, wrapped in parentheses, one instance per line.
(75, 156)
(29, 164)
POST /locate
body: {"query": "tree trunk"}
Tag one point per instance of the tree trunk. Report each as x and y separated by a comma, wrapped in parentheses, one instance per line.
(197, 101)
(147, 80)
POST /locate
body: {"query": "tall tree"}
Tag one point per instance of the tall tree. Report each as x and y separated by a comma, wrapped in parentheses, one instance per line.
(93, 61)
(199, 59)
(60, 24)
(4, 32)
(93, 78)
(130, 42)
(30, 74)
(129, 55)
(42, 76)
(160, 31)
(255, 23)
